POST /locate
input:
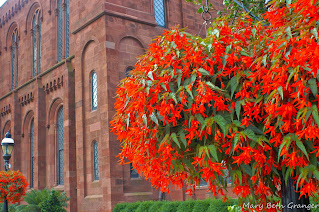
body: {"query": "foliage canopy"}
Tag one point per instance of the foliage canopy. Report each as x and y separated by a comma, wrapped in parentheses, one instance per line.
(245, 99)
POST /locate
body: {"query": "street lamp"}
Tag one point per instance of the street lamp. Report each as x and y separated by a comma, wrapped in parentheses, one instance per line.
(7, 145)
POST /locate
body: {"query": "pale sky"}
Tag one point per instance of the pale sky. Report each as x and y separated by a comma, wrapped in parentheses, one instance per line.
(2, 2)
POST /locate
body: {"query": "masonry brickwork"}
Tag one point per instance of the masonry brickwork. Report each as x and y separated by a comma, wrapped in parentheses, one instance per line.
(105, 37)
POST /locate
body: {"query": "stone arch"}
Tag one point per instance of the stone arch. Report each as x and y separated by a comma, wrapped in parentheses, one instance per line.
(129, 36)
(88, 65)
(26, 144)
(129, 48)
(28, 21)
(12, 27)
(26, 122)
(6, 128)
(54, 106)
(51, 157)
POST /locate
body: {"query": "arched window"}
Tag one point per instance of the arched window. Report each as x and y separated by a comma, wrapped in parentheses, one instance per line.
(63, 24)
(32, 154)
(94, 90)
(60, 146)
(14, 58)
(127, 71)
(96, 161)
(159, 12)
(133, 172)
(60, 30)
(36, 43)
(67, 11)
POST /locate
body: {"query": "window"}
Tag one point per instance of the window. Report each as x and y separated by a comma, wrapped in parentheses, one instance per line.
(133, 172)
(94, 90)
(202, 182)
(31, 154)
(96, 161)
(159, 12)
(127, 71)
(60, 147)
(60, 29)
(14, 58)
(36, 43)
(67, 11)
(63, 24)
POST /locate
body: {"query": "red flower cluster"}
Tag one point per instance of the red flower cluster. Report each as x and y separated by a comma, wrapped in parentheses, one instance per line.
(12, 186)
(243, 99)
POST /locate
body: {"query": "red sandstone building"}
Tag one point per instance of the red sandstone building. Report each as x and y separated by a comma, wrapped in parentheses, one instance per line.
(60, 63)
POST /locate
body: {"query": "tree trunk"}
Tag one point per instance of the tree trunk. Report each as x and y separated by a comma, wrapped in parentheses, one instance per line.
(290, 198)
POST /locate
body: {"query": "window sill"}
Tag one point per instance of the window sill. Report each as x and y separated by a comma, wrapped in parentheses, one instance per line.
(59, 188)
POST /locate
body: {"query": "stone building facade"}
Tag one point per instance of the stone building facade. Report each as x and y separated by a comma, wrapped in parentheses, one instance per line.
(60, 64)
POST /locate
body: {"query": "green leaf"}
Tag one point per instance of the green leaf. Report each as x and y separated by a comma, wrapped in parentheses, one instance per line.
(302, 148)
(254, 32)
(313, 86)
(288, 174)
(144, 119)
(228, 48)
(213, 151)
(244, 53)
(189, 92)
(165, 138)
(313, 160)
(154, 118)
(174, 137)
(288, 29)
(286, 142)
(280, 92)
(150, 75)
(221, 122)
(315, 114)
(314, 31)
(247, 169)
(179, 79)
(200, 10)
(250, 134)
(215, 32)
(238, 108)
(182, 137)
(199, 118)
(203, 72)
(214, 87)
(236, 139)
(172, 95)
(264, 60)
(193, 77)
(316, 174)
(233, 86)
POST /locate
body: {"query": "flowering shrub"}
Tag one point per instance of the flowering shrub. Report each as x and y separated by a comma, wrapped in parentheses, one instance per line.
(243, 99)
(12, 186)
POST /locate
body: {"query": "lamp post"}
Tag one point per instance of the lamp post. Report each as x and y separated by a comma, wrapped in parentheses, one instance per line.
(7, 148)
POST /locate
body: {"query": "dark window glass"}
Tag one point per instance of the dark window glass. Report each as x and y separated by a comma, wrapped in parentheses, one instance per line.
(17, 58)
(94, 91)
(127, 71)
(60, 147)
(67, 11)
(96, 161)
(34, 44)
(31, 154)
(60, 30)
(202, 182)
(39, 45)
(13, 56)
(133, 172)
(159, 12)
